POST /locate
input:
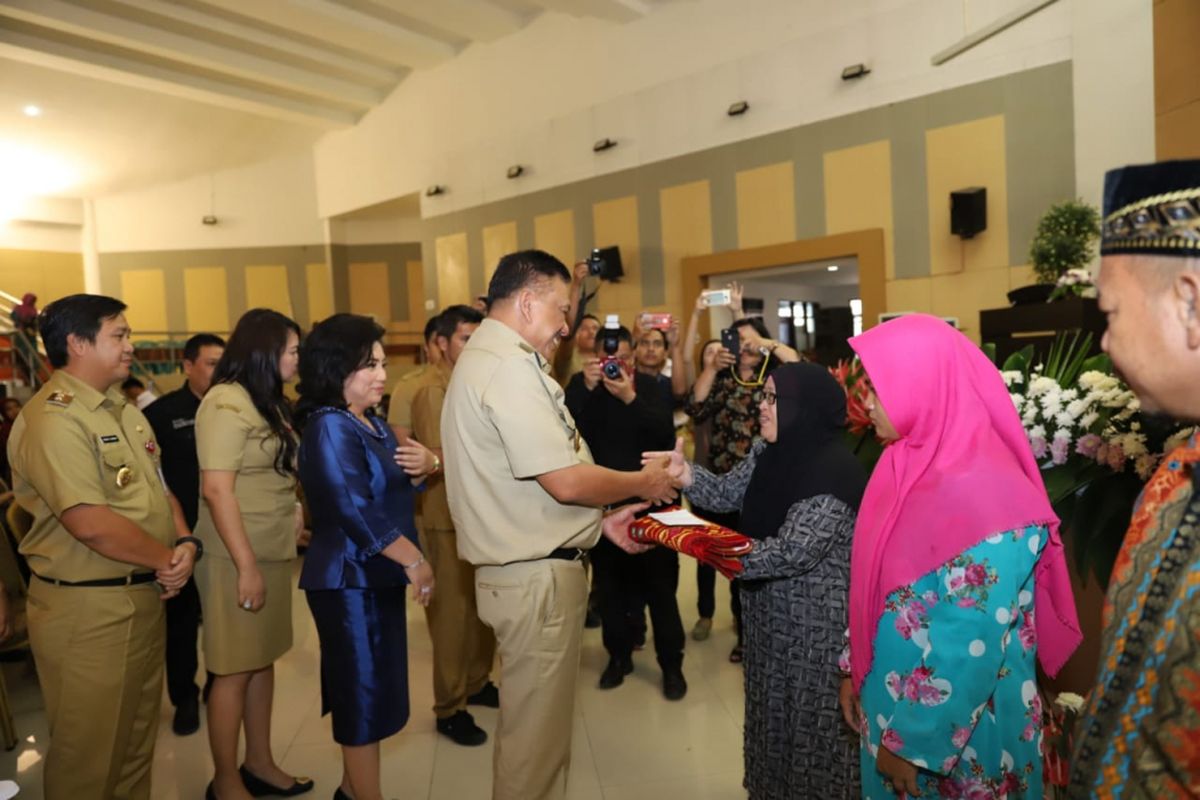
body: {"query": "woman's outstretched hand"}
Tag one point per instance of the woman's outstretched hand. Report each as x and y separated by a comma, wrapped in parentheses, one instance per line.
(677, 466)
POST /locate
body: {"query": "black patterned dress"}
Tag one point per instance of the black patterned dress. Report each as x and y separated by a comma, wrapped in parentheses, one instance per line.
(794, 601)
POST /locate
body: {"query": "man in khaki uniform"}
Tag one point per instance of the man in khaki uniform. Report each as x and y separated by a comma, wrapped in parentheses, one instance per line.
(411, 382)
(108, 545)
(463, 647)
(525, 498)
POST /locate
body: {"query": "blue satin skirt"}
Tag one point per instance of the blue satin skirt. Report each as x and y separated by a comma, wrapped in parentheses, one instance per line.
(364, 661)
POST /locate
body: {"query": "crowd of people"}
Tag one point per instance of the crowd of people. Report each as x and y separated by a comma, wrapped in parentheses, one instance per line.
(892, 625)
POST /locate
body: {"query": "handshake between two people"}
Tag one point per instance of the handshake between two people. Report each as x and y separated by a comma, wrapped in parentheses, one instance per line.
(663, 475)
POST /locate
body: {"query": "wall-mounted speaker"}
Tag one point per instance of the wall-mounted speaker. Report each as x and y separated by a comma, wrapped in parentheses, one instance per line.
(968, 211)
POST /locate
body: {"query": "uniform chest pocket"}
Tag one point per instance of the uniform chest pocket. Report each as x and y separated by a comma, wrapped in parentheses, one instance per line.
(120, 468)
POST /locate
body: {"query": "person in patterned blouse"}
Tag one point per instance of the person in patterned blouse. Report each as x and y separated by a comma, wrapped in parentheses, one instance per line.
(1140, 734)
(958, 579)
(727, 394)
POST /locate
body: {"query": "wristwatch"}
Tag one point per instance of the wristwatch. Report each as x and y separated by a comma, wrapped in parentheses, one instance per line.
(437, 464)
(192, 540)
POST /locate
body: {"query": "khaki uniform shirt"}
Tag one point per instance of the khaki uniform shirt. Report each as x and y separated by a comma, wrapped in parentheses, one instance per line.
(231, 435)
(73, 445)
(406, 388)
(504, 423)
(427, 426)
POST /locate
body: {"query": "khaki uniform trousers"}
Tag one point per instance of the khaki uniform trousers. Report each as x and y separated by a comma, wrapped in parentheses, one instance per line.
(463, 647)
(99, 653)
(536, 609)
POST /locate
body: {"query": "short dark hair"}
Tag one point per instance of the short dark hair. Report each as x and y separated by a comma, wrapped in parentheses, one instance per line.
(453, 316)
(131, 383)
(191, 349)
(518, 270)
(336, 347)
(431, 328)
(590, 316)
(659, 331)
(757, 323)
(80, 315)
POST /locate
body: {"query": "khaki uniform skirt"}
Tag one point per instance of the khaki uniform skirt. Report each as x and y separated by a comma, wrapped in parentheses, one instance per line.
(237, 640)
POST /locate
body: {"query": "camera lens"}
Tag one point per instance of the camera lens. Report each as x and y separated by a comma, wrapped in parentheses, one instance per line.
(612, 370)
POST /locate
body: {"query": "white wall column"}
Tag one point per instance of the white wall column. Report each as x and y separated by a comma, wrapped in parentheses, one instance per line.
(90, 250)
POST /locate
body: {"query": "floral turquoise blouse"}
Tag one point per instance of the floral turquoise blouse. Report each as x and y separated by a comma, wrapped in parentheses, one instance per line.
(953, 686)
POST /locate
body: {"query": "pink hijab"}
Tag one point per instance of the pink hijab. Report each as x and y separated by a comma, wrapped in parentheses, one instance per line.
(961, 471)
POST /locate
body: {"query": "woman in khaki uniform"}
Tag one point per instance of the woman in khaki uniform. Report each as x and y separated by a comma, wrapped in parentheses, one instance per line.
(247, 454)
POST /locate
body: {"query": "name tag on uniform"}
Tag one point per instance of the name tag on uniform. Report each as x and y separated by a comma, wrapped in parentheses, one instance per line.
(186, 422)
(110, 439)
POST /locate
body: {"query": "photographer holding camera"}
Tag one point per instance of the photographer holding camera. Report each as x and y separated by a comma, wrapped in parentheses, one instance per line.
(620, 412)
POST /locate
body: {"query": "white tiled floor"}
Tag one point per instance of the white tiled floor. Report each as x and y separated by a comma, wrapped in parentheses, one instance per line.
(629, 742)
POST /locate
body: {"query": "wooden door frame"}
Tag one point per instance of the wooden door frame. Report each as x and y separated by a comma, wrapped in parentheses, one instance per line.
(866, 246)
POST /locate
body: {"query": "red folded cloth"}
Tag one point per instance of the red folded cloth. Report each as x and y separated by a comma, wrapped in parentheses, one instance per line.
(715, 545)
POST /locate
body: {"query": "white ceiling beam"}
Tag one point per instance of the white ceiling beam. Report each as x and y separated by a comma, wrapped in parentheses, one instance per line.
(89, 24)
(612, 10)
(477, 20)
(367, 71)
(424, 50)
(79, 60)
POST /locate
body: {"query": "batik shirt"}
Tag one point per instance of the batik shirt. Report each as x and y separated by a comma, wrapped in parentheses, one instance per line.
(733, 408)
(953, 683)
(1140, 736)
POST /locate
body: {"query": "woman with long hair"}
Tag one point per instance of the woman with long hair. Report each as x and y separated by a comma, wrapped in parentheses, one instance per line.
(247, 453)
(959, 584)
(797, 493)
(360, 487)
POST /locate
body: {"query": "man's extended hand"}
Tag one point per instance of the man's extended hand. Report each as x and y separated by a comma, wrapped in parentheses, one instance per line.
(657, 483)
(677, 466)
(616, 528)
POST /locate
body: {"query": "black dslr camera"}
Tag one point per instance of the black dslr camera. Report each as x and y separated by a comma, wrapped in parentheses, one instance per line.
(609, 342)
(605, 263)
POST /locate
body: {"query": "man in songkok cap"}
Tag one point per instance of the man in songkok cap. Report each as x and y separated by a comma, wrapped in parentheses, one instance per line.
(1140, 735)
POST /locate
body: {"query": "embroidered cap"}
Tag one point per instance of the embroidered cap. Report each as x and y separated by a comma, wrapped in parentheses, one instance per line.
(1152, 209)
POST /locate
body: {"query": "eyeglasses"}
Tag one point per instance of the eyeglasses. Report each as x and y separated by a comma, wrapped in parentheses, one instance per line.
(770, 397)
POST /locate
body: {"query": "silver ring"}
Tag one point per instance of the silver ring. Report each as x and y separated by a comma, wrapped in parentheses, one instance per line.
(425, 590)
(247, 605)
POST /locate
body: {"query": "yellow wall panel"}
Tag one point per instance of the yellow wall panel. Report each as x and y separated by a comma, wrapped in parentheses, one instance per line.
(48, 274)
(416, 296)
(144, 291)
(615, 223)
(555, 233)
(686, 231)
(267, 287)
(858, 193)
(453, 274)
(498, 241)
(965, 294)
(766, 205)
(318, 279)
(370, 292)
(206, 299)
(911, 294)
(958, 157)
(1021, 276)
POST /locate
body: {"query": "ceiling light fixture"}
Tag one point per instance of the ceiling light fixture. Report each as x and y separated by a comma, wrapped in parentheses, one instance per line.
(435, 190)
(32, 110)
(738, 108)
(515, 171)
(603, 144)
(832, 268)
(855, 71)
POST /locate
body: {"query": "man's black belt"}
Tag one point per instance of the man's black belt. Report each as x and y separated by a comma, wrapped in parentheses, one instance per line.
(567, 554)
(128, 580)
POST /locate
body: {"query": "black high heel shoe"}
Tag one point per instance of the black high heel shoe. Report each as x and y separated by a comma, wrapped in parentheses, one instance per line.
(257, 787)
(209, 792)
(338, 794)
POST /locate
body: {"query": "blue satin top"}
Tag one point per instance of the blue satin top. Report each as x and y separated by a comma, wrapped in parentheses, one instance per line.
(360, 501)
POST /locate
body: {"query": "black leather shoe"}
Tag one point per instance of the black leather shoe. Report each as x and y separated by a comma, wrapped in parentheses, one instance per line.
(488, 696)
(338, 794)
(614, 674)
(674, 686)
(257, 787)
(209, 792)
(187, 718)
(461, 729)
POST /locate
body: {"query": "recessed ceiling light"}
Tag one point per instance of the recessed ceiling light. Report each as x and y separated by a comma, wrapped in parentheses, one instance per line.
(832, 268)
(32, 111)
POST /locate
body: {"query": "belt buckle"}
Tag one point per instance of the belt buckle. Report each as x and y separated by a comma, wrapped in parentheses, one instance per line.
(579, 551)
(129, 579)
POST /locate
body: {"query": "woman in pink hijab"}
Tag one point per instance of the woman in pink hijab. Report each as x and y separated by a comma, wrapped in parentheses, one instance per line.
(958, 582)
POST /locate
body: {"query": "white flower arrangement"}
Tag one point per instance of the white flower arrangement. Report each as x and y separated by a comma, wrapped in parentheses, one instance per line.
(1096, 419)
(1077, 282)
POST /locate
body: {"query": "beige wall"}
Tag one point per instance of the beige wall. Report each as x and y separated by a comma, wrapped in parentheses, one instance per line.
(49, 275)
(1176, 79)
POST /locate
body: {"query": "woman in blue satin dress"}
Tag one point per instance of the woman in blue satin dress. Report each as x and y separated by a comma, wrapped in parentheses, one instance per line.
(360, 488)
